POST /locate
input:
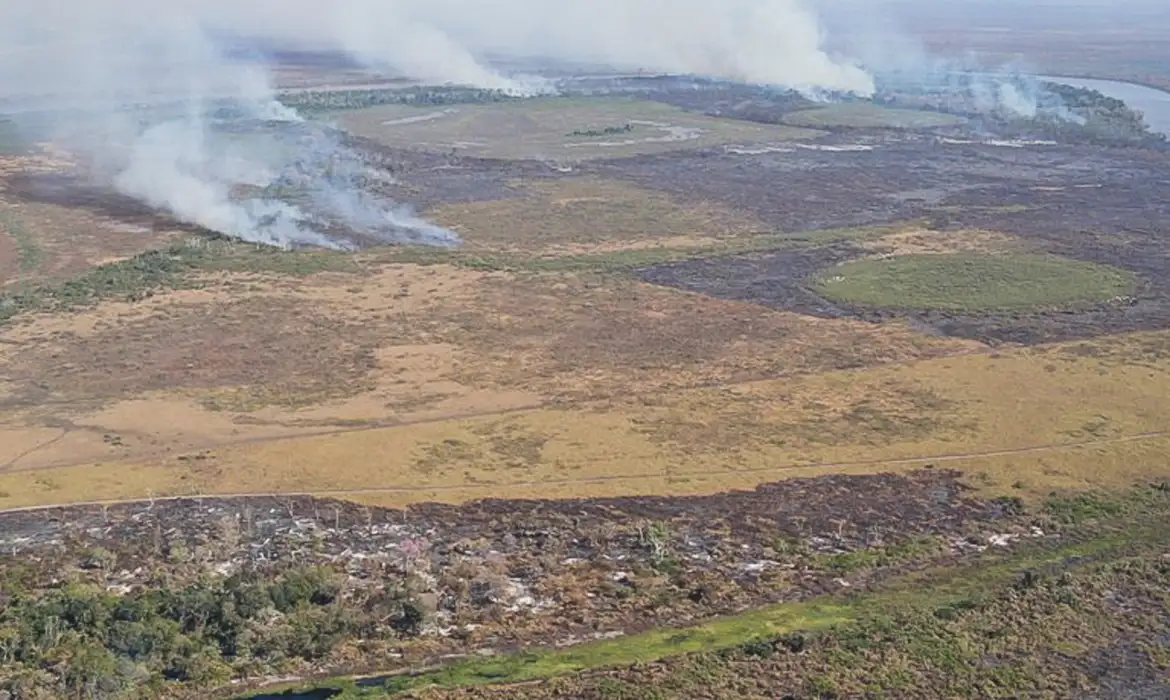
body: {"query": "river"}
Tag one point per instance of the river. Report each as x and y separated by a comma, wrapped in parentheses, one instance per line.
(1154, 103)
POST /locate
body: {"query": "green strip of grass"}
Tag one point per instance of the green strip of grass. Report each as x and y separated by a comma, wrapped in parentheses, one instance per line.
(31, 255)
(179, 266)
(174, 267)
(1105, 529)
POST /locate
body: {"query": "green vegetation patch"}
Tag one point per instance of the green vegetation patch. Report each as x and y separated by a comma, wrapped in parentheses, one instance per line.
(973, 282)
(174, 267)
(540, 128)
(863, 115)
(30, 254)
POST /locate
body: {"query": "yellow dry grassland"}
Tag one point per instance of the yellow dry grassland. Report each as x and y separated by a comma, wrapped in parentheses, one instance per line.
(1091, 414)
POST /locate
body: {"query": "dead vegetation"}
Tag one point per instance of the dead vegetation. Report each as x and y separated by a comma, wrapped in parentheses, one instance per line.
(487, 577)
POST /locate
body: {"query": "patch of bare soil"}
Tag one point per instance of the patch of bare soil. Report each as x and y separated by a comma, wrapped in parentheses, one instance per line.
(497, 574)
(276, 344)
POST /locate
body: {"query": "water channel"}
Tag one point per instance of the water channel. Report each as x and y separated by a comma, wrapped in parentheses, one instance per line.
(1153, 103)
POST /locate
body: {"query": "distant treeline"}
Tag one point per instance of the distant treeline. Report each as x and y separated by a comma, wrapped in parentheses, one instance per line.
(607, 131)
(327, 101)
(1098, 118)
(1063, 113)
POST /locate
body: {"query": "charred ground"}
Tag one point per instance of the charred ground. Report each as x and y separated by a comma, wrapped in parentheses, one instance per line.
(627, 324)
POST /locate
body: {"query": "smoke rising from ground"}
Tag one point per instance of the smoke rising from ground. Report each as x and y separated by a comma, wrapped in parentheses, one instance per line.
(157, 113)
(287, 187)
(756, 41)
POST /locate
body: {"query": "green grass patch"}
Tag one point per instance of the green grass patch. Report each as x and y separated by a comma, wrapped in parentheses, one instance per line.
(535, 128)
(921, 548)
(862, 115)
(973, 282)
(174, 267)
(31, 255)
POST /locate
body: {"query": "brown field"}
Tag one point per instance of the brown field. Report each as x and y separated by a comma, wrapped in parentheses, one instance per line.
(556, 372)
(620, 408)
(584, 214)
(42, 241)
(564, 408)
(555, 129)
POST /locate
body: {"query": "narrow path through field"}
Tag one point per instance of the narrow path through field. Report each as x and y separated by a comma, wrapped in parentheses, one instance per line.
(389, 490)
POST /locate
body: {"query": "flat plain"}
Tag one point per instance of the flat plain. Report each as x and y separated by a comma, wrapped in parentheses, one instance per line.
(854, 351)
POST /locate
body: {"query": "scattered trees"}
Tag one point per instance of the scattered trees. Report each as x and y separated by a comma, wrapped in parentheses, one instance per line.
(91, 644)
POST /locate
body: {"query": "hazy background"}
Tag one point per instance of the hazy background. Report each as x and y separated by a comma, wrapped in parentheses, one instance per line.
(100, 55)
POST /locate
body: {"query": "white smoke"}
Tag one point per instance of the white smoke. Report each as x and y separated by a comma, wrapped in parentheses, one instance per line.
(101, 56)
(759, 41)
(144, 84)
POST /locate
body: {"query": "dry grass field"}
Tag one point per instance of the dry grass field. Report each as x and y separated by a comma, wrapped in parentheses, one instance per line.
(43, 241)
(632, 418)
(530, 362)
(394, 383)
(556, 129)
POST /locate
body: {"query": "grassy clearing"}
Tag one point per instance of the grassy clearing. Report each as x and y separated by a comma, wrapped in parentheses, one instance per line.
(973, 282)
(542, 128)
(940, 620)
(869, 116)
(30, 253)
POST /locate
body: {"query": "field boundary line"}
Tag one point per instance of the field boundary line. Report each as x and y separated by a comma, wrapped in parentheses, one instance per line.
(339, 493)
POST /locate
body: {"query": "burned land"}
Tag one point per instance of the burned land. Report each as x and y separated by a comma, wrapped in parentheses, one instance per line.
(643, 302)
(488, 577)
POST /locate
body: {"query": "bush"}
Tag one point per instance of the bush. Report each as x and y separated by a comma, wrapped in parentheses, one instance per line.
(314, 586)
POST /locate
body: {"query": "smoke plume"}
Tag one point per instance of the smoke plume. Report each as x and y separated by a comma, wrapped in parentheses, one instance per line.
(756, 41)
(145, 82)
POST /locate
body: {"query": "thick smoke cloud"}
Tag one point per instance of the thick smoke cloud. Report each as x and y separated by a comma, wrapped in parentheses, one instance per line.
(756, 41)
(102, 55)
